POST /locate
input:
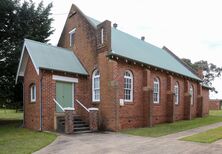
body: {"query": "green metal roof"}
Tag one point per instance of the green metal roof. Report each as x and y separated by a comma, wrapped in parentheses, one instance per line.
(128, 46)
(131, 47)
(53, 58)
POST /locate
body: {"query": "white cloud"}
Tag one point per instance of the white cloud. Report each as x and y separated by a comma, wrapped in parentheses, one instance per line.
(191, 29)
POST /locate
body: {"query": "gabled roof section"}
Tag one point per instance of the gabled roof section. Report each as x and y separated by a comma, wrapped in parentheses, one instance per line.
(130, 47)
(49, 57)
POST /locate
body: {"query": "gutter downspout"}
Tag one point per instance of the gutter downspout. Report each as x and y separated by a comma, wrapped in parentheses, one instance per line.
(40, 103)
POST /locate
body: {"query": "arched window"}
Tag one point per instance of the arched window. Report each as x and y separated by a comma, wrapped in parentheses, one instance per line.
(128, 86)
(96, 86)
(191, 94)
(33, 92)
(176, 91)
(156, 91)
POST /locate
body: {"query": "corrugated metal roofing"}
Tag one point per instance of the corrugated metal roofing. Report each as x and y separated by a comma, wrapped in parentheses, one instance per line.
(128, 46)
(53, 58)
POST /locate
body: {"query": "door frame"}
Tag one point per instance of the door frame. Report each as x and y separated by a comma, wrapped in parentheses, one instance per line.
(69, 80)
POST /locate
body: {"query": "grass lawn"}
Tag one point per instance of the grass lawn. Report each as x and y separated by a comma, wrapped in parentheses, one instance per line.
(10, 115)
(206, 137)
(17, 140)
(216, 112)
(169, 128)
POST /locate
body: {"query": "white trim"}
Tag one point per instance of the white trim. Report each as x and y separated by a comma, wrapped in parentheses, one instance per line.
(177, 93)
(21, 60)
(82, 105)
(59, 105)
(70, 34)
(158, 92)
(33, 92)
(69, 108)
(73, 96)
(93, 88)
(93, 109)
(65, 79)
(191, 91)
(131, 89)
(102, 35)
(72, 31)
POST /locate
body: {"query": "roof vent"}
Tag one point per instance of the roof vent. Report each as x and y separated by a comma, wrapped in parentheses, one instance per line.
(143, 38)
(115, 25)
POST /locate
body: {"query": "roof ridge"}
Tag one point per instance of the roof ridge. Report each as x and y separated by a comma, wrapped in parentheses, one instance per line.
(45, 44)
(180, 61)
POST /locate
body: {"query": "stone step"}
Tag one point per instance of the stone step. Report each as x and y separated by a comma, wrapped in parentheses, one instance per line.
(80, 125)
(81, 129)
(79, 122)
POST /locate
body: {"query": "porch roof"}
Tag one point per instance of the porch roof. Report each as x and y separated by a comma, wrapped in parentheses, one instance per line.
(49, 57)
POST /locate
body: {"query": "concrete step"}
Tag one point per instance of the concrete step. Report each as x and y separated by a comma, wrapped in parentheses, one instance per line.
(82, 132)
(81, 125)
(81, 129)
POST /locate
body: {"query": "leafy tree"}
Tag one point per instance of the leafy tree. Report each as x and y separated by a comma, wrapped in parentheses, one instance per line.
(19, 21)
(210, 71)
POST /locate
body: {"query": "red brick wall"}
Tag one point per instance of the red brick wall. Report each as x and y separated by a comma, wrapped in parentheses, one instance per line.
(215, 104)
(132, 114)
(206, 101)
(93, 56)
(32, 109)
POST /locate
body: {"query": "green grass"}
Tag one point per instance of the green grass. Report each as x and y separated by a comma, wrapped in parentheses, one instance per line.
(216, 112)
(169, 128)
(10, 115)
(209, 136)
(17, 140)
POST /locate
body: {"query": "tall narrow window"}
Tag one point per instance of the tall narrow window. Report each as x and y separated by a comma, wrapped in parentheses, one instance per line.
(96, 86)
(176, 91)
(33, 92)
(72, 37)
(102, 36)
(192, 95)
(128, 86)
(156, 91)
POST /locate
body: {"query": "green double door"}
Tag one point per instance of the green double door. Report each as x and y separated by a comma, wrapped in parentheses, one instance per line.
(64, 95)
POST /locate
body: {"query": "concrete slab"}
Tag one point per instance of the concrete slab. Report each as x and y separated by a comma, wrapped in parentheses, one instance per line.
(117, 143)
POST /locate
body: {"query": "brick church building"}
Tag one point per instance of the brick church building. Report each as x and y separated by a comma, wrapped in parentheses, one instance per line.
(126, 81)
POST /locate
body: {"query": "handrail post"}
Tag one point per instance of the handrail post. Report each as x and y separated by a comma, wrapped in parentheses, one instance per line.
(69, 125)
(93, 119)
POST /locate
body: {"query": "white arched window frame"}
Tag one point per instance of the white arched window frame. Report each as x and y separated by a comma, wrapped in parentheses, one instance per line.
(96, 86)
(192, 95)
(33, 92)
(156, 91)
(128, 86)
(176, 91)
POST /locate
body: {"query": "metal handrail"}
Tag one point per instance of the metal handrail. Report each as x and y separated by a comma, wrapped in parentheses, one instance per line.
(82, 105)
(59, 105)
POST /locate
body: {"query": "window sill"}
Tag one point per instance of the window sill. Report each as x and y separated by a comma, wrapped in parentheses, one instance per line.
(156, 104)
(96, 102)
(128, 102)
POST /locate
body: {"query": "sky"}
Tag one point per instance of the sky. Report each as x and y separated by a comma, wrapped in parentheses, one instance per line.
(190, 28)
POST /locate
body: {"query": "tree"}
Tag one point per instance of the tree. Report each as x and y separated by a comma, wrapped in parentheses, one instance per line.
(19, 21)
(210, 71)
